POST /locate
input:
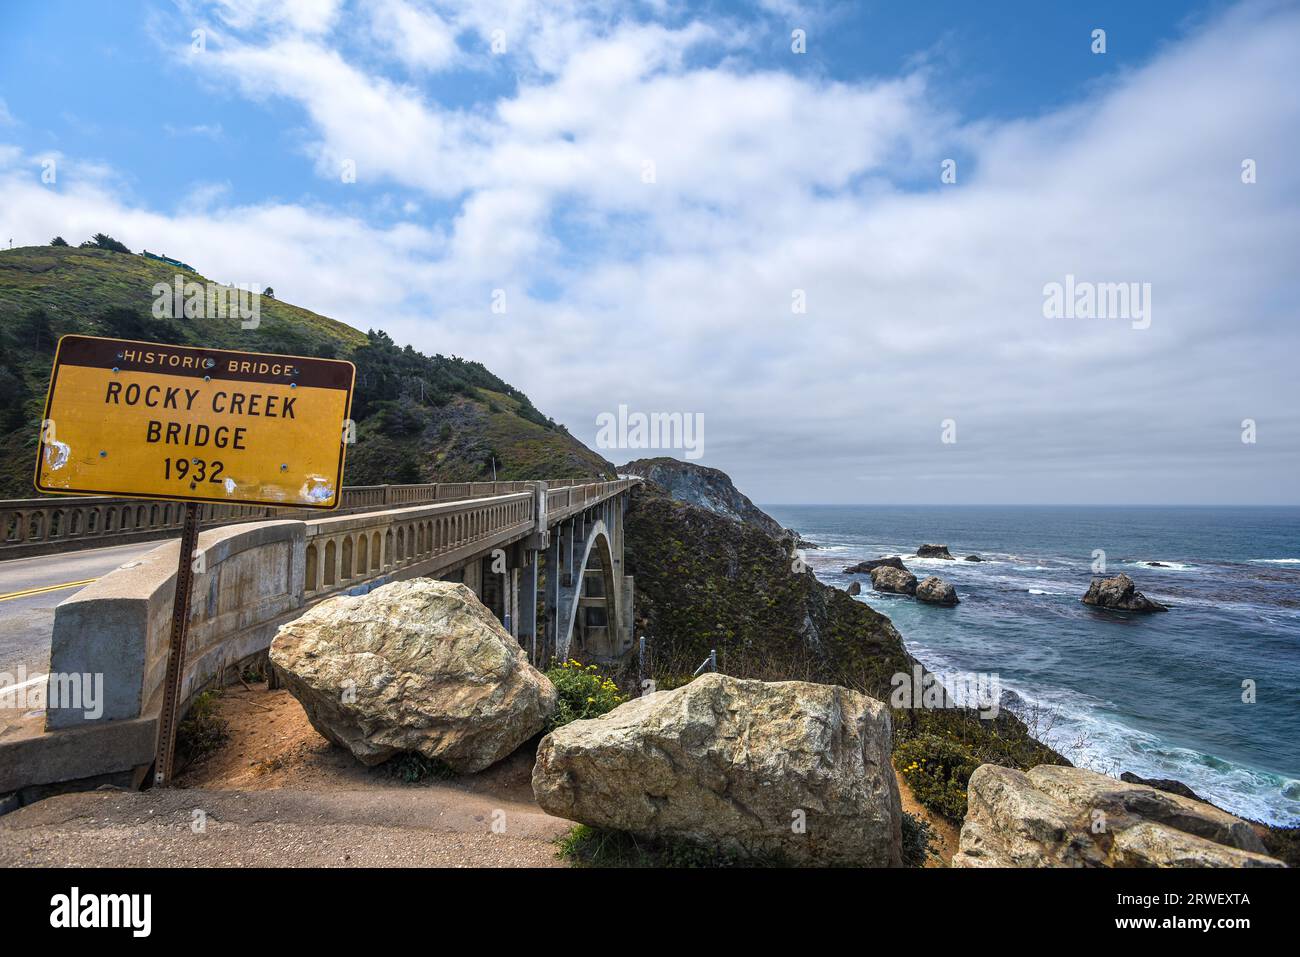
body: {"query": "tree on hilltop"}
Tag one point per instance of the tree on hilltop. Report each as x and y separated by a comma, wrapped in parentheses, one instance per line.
(104, 241)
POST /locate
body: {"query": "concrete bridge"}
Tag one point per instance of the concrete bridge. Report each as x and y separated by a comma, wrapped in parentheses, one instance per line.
(546, 557)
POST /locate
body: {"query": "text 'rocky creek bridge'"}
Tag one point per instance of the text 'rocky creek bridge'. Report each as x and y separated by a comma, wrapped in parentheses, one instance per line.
(546, 557)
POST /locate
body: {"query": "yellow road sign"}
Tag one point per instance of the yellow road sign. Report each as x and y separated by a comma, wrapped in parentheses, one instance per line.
(147, 420)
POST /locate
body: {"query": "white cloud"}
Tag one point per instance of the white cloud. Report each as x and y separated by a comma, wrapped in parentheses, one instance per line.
(923, 304)
(419, 38)
(300, 16)
(211, 131)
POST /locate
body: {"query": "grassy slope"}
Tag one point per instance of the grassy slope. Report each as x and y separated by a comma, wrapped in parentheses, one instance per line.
(453, 436)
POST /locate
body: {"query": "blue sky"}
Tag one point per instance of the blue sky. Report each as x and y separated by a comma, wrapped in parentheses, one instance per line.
(113, 81)
(524, 169)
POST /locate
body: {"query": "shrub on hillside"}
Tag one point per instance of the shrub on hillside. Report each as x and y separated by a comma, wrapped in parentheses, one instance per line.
(583, 693)
(104, 241)
(918, 841)
(201, 732)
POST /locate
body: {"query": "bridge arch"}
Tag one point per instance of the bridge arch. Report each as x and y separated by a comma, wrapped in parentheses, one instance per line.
(597, 552)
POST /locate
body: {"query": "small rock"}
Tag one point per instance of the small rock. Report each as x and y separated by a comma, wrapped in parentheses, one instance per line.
(855, 588)
(1120, 593)
(1162, 784)
(889, 579)
(973, 558)
(936, 591)
(865, 568)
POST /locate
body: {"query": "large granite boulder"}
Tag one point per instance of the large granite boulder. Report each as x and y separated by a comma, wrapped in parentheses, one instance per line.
(867, 567)
(936, 591)
(416, 665)
(787, 771)
(1119, 592)
(889, 579)
(1068, 817)
(933, 551)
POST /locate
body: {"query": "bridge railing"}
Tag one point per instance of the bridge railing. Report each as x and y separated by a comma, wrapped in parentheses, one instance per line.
(40, 526)
(253, 577)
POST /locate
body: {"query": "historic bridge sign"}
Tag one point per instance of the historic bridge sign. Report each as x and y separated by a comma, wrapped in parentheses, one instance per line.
(148, 420)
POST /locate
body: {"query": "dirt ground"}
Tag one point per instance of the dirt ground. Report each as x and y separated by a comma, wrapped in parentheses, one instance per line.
(272, 745)
(944, 832)
(278, 794)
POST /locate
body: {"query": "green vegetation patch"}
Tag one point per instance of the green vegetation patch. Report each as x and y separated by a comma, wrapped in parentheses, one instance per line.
(583, 693)
(412, 767)
(586, 846)
(201, 732)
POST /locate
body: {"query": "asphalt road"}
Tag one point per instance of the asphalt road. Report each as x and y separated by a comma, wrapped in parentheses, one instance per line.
(435, 825)
(26, 620)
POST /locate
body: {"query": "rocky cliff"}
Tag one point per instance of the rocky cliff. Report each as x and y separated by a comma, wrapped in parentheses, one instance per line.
(706, 581)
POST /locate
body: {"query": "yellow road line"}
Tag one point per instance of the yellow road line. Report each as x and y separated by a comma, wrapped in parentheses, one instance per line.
(44, 588)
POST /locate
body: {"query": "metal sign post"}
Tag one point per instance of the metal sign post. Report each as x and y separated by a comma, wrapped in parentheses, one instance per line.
(176, 652)
(188, 424)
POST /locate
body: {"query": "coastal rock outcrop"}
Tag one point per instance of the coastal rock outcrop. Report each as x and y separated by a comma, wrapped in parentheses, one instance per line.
(866, 568)
(855, 588)
(730, 763)
(933, 551)
(973, 558)
(936, 591)
(706, 488)
(1120, 593)
(1069, 817)
(417, 665)
(889, 579)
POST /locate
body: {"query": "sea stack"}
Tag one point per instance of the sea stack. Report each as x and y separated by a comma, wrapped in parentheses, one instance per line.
(933, 551)
(889, 579)
(1121, 594)
(936, 591)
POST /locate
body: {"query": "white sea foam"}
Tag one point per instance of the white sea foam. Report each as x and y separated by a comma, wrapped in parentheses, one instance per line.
(1091, 738)
(1164, 566)
(1275, 561)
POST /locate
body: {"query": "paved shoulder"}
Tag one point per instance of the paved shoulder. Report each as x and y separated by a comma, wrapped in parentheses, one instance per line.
(434, 826)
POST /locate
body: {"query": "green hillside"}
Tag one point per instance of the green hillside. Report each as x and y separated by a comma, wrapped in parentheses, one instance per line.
(419, 418)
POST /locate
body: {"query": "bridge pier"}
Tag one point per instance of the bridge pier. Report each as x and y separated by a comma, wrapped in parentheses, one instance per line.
(526, 622)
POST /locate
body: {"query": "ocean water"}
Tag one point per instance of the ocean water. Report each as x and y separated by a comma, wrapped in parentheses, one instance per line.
(1159, 695)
